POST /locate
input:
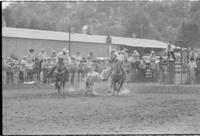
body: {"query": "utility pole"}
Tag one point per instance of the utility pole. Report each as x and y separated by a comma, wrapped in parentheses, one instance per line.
(69, 41)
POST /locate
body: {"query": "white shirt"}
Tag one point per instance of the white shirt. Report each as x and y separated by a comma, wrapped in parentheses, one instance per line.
(30, 57)
(192, 65)
(66, 57)
(42, 55)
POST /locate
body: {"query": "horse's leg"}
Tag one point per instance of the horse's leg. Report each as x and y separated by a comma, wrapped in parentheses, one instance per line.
(56, 85)
(91, 89)
(114, 87)
(121, 82)
(59, 87)
(111, 86)
(87, 88)
(63, 83)
(119, 86)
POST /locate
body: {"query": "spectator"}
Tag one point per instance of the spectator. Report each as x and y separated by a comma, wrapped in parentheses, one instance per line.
(153, 55)
(163, 70)
(22, 69)
(191, 67)
(53, 54)
(191, 54)
(171, 59)
(9, 70)
(78, 56)
(91, 56)
(141, 70)
(73, 69)
(52, 59)
(44, 69)
(153, 68)
(80, 70)
(30, 56)
(29, 67)
(170, 53)
(198, 70)
(42, 55)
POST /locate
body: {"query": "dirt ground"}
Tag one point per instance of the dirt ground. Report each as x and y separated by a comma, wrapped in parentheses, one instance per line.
(141, 108)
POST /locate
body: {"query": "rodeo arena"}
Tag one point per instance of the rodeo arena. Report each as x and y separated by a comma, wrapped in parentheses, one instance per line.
(69, 83)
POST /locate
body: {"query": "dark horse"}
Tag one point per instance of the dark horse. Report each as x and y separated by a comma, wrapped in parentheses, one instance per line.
(60, 71)
(118, 77)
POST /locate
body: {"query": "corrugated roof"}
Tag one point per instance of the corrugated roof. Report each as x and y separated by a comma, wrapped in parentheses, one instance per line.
(77, 37)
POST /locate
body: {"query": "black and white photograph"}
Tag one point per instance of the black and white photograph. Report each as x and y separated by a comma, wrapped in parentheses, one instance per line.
(100, 67)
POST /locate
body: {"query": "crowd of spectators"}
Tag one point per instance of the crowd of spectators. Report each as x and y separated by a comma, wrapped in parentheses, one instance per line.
(152, 67)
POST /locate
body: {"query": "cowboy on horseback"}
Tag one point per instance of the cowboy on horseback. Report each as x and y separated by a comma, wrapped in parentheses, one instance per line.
(59, 69)
(66, 60)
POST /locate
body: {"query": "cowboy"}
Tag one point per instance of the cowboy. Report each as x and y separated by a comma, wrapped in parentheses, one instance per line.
(91, 78)
(65, 55)
(113, 56)
(66, 60)
(59, 68)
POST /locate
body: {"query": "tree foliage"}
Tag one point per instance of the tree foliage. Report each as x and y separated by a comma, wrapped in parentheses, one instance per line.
(161, 20)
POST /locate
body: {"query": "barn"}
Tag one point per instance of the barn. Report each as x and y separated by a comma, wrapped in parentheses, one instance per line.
(17, 41)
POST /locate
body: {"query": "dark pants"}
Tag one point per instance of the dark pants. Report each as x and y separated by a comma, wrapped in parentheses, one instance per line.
(45, 73)
(10, 77)
(198, 76)
(141, 75)
(29, 75)
(67, 73)
(21, 76)
(80, 75)
(36, 73)
(40, 66)
(73, 71)
(171, 72)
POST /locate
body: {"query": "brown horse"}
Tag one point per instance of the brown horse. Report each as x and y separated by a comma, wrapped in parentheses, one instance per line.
(118, 77)
(60, 71)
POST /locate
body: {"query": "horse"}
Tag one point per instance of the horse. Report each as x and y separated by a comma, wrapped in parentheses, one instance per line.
(60, 71)
(118, 76)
